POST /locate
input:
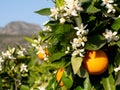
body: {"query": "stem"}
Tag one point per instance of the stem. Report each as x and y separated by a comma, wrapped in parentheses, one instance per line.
(78, 20)
(16, 84)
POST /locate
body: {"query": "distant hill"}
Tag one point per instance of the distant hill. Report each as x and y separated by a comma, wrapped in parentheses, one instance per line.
(19, 28)
(14, 32)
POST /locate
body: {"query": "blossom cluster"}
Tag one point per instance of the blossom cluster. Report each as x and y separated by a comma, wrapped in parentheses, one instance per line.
(79, 42)
(110, 36)
(72, 30)
(37, 44)
(12, 54)
(109, 5)
(1, 61)
(63, 13)
(71, 8)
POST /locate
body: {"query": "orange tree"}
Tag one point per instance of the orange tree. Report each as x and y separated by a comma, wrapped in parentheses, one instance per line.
(81, 35)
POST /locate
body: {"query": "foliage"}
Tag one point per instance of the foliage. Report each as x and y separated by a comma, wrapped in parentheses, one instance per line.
(75, 26)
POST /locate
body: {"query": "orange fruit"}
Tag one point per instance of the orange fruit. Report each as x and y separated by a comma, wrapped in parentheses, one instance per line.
(46, 51)
(95, 62)
(41, 56)
(59, 76)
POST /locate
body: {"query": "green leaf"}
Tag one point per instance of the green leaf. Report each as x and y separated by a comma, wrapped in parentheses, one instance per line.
(117, 81)
(78, 20)
(91, 18)
(82, 72)
(52, 84)
(92, 9)
(29, 40)
(59, 3)
(78, 88)
(61, 28)
(53, 65)
(116, 25)
(67, 81)
(118, 43)
(45, 11)
(56, 56)
(76, 63)
(24, 87)
(95, 42)
(117, 58)
(108, 83)
(87, 84)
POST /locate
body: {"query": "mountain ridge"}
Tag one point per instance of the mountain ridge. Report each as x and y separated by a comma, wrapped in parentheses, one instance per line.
(14, 32)
(20, 28)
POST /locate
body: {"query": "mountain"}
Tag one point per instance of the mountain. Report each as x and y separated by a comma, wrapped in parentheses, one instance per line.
(0, 28)
(19, 28)
(14, 32)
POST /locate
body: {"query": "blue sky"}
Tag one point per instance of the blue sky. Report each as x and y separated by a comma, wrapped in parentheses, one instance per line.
(23, 10)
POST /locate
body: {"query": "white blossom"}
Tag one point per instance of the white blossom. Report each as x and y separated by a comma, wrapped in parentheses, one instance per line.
(117, 69)
(77, 42)
(54, 12)
(47, 28)
(110, 36)
(9, 54)
(21, 52)
(23, 68)
(62, 20)
(109, 5)
(70, 12)
(72, 7)
(67, 51)
(110, 8)
(1, 60)
(79, 52)
(42, 87)
(81, 30)
(105, 2)
(64, 12)
(0, 67)
(37, 43)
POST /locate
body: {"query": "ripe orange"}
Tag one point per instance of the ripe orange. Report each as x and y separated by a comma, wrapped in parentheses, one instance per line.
(95, 62)
(41, 56)
(46, 51)
(59, 76)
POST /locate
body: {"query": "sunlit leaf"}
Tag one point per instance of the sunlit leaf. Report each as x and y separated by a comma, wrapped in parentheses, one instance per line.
(24, 87)
(59, 3)
(117, 81)
(67, 81)
(76, 63)
(87, 84)
(108, 83)
(29, 39)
